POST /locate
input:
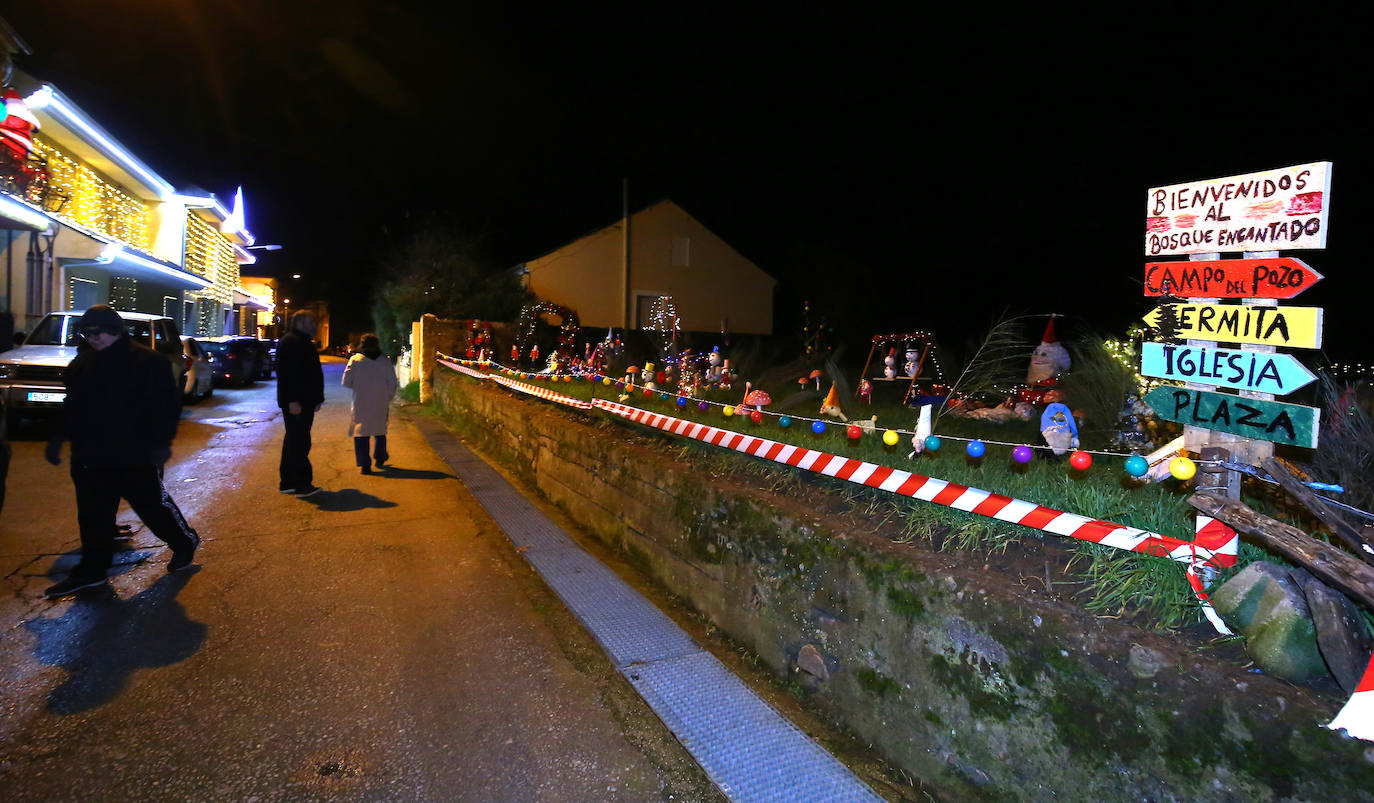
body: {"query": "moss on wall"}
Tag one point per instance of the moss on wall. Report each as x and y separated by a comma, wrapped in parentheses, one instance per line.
(958, 675)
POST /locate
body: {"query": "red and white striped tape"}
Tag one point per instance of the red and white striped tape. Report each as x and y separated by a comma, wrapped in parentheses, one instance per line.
(1215, 545)
(534, 390)
(462, 369)
(1357, 716)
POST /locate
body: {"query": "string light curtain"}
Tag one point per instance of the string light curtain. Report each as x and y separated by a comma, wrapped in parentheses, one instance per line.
(94, 203)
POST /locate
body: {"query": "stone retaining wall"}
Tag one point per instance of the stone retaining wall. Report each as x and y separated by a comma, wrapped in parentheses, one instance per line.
(974, 683)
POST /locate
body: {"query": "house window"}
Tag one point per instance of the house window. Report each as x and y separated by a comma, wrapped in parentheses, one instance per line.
(82, 293)
(682, 252)
(124, 292)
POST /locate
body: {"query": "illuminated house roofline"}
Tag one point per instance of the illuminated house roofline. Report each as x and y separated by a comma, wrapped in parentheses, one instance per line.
(63, 122)
(230, 223)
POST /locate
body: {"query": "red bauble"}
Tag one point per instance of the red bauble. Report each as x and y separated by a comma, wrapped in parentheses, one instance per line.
(756, 416)
(1080, 460)
(854, 432)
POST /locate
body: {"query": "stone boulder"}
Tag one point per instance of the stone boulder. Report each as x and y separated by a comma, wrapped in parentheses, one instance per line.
(1266, 605)
(1342, 635)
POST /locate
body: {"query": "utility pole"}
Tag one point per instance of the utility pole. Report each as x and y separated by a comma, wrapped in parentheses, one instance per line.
(625, 301)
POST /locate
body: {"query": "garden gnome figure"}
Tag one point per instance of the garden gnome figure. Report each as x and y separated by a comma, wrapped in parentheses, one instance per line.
(1049, 360)
(1057, 426)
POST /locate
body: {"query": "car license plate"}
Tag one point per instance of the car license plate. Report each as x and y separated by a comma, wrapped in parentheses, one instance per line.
(46, 397)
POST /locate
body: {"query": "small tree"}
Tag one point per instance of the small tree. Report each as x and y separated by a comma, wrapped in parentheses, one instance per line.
(440, 268)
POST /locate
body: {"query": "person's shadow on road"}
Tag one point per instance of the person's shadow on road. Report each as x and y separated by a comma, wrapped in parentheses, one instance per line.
(101, 640)
(392, 472)
(346, 499)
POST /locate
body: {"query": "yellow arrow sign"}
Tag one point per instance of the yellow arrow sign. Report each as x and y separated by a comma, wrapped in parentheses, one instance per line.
(1295, 327)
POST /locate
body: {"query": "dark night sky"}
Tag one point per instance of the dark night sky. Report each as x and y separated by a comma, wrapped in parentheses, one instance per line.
(928, 169)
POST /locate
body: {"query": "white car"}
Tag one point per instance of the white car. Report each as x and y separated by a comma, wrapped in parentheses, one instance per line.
(200, 374)
(31, 375)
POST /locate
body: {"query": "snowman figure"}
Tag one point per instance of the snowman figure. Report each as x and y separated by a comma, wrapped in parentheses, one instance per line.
(912, 357)
(890, 364)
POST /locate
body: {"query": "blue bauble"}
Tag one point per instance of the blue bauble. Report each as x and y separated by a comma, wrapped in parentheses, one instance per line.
(818, 427)
(933, 443)
(681, 402)
(977, 448)
(785, 421)
(1136, 466)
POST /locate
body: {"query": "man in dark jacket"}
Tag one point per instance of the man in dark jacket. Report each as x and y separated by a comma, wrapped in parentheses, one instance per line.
(120, 415)
(300, 392)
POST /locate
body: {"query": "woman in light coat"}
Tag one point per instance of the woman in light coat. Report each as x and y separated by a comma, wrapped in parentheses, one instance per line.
(373, 381)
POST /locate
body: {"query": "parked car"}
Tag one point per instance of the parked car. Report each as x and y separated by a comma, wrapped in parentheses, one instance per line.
(236, 360)
(270, 346)
(200, 374)
(31, 374)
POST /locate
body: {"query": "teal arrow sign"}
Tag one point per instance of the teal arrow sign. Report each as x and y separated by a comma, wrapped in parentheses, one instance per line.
(1279, 374)
(1292, 424)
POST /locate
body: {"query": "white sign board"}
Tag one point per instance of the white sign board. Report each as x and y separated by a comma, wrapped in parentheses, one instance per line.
(1273, 210)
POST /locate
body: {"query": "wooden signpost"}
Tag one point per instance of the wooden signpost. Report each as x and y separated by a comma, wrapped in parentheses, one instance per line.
(1292, 424)
(1285, 209)
(1279, 374)
(1295, 327)
(1279, 278)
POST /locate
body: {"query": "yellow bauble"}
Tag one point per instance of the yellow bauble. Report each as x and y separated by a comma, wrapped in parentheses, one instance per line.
(605, 380)
(728, 411)
(1182, 468)
(891, 437)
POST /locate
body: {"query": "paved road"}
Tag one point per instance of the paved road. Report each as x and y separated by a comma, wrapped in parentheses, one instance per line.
(378, 641)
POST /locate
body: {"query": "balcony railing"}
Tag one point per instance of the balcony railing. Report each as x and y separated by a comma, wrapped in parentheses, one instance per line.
(27, 178)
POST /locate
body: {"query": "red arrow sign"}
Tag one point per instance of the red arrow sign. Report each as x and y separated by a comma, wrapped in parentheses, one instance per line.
(1280, 277)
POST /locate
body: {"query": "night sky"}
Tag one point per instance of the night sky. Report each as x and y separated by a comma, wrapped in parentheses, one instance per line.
(903, 169)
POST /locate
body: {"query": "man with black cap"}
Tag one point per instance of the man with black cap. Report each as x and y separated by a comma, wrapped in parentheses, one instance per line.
(120, 415)
(300, 393)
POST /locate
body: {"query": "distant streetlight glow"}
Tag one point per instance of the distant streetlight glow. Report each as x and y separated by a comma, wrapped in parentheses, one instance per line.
(270, 247)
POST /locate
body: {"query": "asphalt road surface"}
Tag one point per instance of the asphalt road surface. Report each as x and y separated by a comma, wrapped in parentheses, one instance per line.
(378, 641)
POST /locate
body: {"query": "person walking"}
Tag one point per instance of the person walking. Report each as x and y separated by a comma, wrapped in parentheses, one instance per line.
(120, 414)
(300, 393)
(372, 379)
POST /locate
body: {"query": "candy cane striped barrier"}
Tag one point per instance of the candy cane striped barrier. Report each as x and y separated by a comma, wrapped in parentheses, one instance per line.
(462, 369)
(1357, 716)
(1216, 544)
(534, 390)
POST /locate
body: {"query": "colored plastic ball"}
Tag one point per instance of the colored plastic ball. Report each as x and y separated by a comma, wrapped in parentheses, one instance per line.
(977, 448)
(1022, 454)
(933, 443)
(702, 406)
(1136, 466)
(854, 432)
(1182, 468)
(619, 385)
(681, 402)
(605, 380)
(818, 427)
(891, 437)
(663, 397)
(728, 411)
(648, 392)
(785, 421)
(567, 378)
(756, 416)
(600, 378)
(1080, 460)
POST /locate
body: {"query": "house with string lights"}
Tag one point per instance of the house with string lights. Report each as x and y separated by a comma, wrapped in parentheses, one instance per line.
(83, 221)
(613, 276)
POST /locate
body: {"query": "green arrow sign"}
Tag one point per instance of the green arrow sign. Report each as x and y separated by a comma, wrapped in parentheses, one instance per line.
(1292, 424)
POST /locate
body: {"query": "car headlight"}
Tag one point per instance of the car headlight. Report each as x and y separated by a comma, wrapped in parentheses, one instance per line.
(6, 370)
